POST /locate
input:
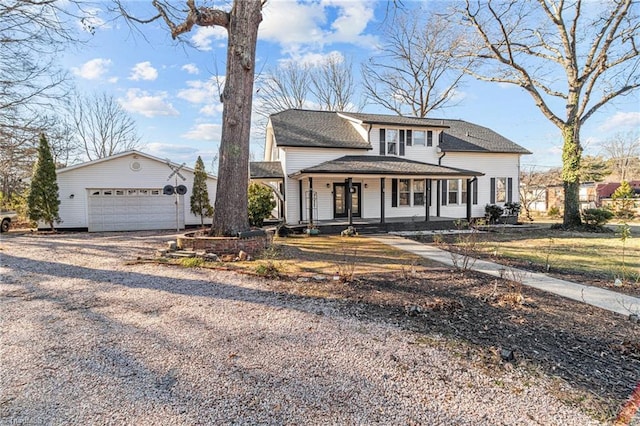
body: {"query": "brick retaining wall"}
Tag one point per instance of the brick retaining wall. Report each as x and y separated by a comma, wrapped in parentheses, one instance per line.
(225, 245)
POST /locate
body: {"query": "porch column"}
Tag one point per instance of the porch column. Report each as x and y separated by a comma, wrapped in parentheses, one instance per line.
(438, 197)
(427, 201)
(349, 200)
(469, 193)
(310, 201)
(381, 200)
(301, 199)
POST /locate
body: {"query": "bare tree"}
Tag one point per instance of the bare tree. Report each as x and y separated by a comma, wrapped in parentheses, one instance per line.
(286, 87)
(241, 23)
(574, 56)
(102, 127)
(327, 85)
(533, 189)
(416, 70)
(33, 33)
(623, 151)
(332, 84)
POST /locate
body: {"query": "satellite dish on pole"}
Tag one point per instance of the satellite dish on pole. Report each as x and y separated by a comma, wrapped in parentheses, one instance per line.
(181, 189)
(167, 190)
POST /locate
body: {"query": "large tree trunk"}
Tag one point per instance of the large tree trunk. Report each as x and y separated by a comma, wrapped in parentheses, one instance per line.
(571, 156)
(230, 210)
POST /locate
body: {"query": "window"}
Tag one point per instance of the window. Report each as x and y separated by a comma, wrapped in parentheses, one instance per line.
(429, 138)
(404, 191)
(418, 137)
(453, 186)
(501, 190)
(418, 192)
(392, 141)
(463, 191)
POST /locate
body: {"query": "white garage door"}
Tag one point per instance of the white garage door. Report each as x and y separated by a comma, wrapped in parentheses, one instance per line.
(132, 210)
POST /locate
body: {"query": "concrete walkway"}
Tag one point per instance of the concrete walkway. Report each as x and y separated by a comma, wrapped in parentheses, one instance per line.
(605, 299)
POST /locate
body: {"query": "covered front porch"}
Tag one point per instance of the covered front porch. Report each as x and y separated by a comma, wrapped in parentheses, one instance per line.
(381, 192)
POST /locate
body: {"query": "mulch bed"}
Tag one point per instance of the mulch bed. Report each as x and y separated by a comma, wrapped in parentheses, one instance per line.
(595, 352)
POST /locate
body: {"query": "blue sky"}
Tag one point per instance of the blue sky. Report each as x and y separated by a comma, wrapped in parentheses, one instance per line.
(170, 88)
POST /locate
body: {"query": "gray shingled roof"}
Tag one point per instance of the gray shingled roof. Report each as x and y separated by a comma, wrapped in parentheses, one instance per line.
(468, 137)
(386, 119)
(320, 129)
(266, 170)
(381, 165)
(326, 129)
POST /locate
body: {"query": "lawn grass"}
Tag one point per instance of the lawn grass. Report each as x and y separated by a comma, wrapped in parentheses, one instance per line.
(331, 254)
(597, 254)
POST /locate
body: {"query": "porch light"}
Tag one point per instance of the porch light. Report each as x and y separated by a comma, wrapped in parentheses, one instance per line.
(328, 185)
(366, 185)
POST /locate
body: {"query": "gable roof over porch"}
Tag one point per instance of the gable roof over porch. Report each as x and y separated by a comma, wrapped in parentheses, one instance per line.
(382, 166)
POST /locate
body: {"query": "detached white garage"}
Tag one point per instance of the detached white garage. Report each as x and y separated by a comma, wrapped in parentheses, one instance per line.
(124, 192)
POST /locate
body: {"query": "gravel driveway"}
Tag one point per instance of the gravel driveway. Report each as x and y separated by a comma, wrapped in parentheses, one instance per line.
(87, 339)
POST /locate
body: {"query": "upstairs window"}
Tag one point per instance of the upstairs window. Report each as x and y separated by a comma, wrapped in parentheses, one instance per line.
(391, 139)
(418, 138)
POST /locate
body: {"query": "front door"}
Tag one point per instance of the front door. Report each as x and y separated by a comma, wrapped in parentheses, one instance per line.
(340, 191)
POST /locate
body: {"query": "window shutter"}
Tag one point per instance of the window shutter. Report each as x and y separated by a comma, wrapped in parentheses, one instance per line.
(394, 192)
(383, 148)
(402, 143)
(474, 185)
(409, 135)
(509, 189)
(493, 191)
(444, 192)
(429, 138)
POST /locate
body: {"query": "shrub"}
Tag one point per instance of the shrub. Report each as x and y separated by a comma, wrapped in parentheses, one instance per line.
(192, 262)
(512, 209)
(268, 270)
(261, 203)
(553, 212)
(596, 218)
(493, 212)
(623, 201)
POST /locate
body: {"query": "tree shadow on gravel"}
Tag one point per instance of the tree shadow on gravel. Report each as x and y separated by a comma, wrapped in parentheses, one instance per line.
(596, 351)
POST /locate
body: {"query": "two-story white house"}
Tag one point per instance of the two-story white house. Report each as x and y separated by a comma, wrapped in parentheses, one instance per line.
(332, 166)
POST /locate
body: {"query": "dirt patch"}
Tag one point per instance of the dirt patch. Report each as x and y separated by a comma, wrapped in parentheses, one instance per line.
(501, 325)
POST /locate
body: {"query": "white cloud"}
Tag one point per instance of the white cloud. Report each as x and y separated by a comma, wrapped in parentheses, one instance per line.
(159, 147)
(94, 69)
(141, 102)
(311, 26)
(205, 132)
(278, 25)
(353, 18)
(112, 80)
(143, 71)
(198, 91)
(92, 20)
(212, 109)
(621, 120)
(191, 68)
(204, 36)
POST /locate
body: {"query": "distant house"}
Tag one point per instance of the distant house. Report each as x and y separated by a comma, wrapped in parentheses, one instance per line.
(332, 166)
(124, 192)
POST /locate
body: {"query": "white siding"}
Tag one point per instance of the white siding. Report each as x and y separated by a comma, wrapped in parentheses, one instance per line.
(493, 166)
(425, 154)
(117, 173)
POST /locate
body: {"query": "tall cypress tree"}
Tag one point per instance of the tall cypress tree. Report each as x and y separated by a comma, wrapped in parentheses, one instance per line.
(43, 200)
(200, 204)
